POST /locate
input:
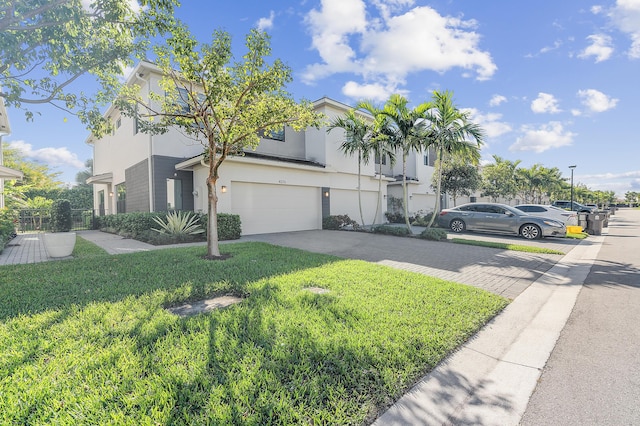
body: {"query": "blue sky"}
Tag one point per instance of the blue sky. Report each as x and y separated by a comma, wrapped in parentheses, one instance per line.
(554, 83)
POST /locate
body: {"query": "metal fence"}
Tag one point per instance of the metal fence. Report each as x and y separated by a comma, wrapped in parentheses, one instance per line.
(33, 220)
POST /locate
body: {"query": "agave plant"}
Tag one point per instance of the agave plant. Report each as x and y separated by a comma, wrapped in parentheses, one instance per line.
(179, 223)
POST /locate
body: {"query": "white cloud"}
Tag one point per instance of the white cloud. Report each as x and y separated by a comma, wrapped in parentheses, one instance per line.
(596, 101)
(264, 24)
(543, 138)
(545, 103)
(497, 100)
(600, 48)
(631, 175)
(625, 15)
(373, 91)
(491, 123)
(50, 156)
(390, 45)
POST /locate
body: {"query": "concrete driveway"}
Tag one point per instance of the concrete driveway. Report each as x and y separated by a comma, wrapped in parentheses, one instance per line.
(504, 272)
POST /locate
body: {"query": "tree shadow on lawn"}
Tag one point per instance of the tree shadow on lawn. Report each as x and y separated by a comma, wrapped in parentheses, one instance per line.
(280, 372)
(181, 273)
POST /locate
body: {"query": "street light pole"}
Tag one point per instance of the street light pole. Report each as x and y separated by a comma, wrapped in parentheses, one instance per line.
(572, 167)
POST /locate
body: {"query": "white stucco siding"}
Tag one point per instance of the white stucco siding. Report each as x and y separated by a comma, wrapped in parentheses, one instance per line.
(346, 202)
(277, 197)
(175, 144)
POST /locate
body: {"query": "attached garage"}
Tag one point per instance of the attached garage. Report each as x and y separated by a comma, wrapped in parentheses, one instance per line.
(265, 208)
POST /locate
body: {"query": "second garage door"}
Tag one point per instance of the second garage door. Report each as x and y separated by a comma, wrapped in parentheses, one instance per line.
(265, 208)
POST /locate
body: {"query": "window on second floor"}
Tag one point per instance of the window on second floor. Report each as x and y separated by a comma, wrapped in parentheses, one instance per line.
(384, 160)
(183, 100)
(277, 135)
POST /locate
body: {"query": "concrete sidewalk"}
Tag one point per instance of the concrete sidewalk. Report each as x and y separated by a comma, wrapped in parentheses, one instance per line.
(29, 248)
(489, 380)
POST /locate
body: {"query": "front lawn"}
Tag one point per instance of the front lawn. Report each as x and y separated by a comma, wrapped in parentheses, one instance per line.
(88, 341)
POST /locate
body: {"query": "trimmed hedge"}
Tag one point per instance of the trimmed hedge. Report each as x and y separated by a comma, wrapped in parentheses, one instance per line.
(399, 231)
(337, 222)
(7, 227)
(134, 225)
(61, 220)
(127, 224)
(434, 234)
(229, 225)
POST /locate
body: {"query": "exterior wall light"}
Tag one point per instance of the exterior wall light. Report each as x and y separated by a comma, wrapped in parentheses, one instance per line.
(223, 189)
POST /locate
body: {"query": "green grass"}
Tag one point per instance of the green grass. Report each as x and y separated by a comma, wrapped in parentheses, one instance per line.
(88, 341)
(577, 235)
(506, 246)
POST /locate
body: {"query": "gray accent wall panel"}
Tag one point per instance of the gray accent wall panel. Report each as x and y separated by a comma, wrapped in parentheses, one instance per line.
(137, 181)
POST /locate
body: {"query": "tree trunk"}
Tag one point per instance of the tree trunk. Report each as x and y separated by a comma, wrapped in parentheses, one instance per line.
(375, 217)
(436, 209)
(404, 192)
(359, 188)
(213, 249)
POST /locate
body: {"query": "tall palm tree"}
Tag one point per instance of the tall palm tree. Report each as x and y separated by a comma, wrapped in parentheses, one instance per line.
(407, 128)
(381, 145)
(451, 133)
(357, 132)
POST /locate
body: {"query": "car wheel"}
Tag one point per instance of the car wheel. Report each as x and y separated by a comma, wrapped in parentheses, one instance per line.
(457, 225)
(530, 231)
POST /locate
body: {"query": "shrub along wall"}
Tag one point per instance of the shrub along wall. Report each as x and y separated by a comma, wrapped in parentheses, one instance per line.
(134, 225)
(7, 227)
(229, 225)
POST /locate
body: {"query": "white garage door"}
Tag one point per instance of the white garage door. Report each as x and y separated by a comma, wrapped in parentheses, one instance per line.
(267, 208)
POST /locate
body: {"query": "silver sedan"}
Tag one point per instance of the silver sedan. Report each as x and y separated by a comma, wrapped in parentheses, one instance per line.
(500, 218)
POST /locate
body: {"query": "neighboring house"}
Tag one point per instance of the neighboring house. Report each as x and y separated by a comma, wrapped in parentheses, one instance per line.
(288, 183)
(5, 172)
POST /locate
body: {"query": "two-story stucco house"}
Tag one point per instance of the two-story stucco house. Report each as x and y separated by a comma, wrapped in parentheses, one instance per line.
(290, 182)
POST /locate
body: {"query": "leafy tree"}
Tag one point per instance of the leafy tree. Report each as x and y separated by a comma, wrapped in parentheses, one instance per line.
(538, 181)
(218, 100)
(406, 129)
(36, 176)
(452, 134)
(631, 197)
(499, 179)
(82, 176)
(357, 132)
(457, 178)
(381, 144)
(46, 45)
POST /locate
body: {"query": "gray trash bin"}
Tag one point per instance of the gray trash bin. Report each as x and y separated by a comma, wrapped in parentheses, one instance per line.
(582, 220)
(595, 222)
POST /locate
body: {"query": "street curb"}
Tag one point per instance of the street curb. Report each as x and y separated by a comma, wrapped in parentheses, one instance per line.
(490, 379)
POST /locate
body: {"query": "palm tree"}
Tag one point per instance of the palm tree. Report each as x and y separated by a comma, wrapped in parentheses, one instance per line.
(407, 128)
(381, 144)
(357, 132)
(450, 134)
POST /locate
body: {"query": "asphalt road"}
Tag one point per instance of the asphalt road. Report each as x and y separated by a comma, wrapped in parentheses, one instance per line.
(593, 374)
